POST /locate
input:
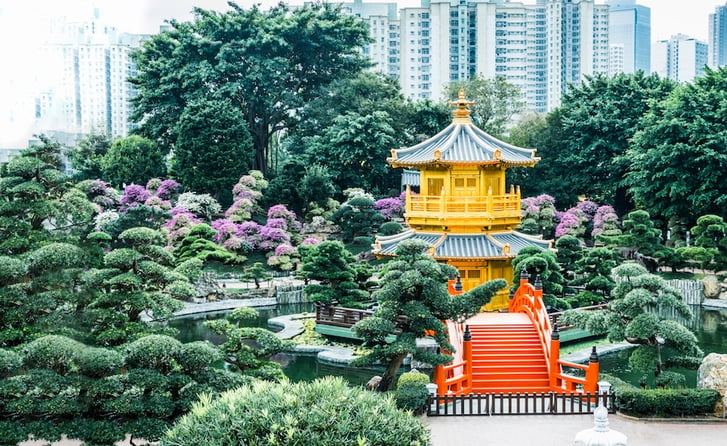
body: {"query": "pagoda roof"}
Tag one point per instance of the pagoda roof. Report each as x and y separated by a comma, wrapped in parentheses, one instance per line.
(497, 245)
(460, 143)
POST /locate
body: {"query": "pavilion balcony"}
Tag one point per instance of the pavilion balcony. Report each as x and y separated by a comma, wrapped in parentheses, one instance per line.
(486, 210)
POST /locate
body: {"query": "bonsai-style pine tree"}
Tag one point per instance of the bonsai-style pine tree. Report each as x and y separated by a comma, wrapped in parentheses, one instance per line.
(331, 265)
(413, 303)
(634, 315)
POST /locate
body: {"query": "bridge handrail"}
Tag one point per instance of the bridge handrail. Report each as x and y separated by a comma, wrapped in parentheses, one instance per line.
(529, 300)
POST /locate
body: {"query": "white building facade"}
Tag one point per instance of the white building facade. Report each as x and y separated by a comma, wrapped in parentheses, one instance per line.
(542, 48)
(681, 58)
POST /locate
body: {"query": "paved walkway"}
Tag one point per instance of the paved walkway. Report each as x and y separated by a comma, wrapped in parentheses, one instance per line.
(560, 430)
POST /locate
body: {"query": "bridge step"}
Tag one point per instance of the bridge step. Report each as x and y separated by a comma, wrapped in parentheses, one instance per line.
(507, 357)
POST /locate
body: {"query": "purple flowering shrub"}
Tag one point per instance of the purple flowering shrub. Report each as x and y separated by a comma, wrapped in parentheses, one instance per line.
(134, 195)
(390, 207)
(179, 225)
(605, 222)
(539, 216)
(100, 193)
(577, 220)
(310, 241)
(168, 189)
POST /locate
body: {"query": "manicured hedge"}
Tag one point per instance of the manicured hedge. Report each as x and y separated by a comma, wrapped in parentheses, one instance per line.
(666, 402)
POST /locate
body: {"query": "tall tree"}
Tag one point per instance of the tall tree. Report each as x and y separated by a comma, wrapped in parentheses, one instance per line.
(596, 123)
(678, 160)
(133, 159)
(413, 302)
(86, 157)
(267, 64)
(213, 147)
(496, 101)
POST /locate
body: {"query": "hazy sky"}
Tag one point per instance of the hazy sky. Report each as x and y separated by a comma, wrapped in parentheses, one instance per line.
(668, 17)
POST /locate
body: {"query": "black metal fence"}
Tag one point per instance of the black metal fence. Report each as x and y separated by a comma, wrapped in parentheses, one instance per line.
(546, 403)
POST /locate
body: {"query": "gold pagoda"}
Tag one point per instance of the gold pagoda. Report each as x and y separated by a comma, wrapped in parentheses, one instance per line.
(464, 207)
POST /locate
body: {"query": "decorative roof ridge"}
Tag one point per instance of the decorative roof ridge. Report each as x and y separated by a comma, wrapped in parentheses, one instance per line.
(428, 141)
(386, 239)
(479, 133)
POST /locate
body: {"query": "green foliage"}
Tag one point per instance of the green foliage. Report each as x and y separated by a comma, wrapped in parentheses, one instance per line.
(288, 54)
(325, 411)
(98, 362)
(197, 356)
(390, 228)
(632, 316)
(155, 352)
(86, 158)
(357, 217)
(413, 302)
(677, 159)
(667, 402)
(133, 160)
(10, 362)
(331, 265)
(412, 396)
(52, 352)
(249, 348)
(199, 244)
(213, 146)
(544, 264)
(257, 273)
(594, 270)
(412, 378)
(496, 101)
(711, 234)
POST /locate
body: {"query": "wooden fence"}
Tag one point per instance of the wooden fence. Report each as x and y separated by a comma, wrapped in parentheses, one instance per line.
(546, 403)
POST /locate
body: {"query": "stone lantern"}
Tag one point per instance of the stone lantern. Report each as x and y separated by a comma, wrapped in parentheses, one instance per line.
(600, 435)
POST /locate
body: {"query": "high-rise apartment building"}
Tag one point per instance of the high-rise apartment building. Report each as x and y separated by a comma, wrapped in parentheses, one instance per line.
(680, 58)
(541, 48)
(718, 37)
(89, 91)
(630, 27)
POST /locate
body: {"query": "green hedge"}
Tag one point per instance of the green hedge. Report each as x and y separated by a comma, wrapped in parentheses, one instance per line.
(666, 402)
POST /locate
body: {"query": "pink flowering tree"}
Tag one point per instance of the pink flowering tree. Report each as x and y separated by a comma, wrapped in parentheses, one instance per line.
(284, 258)
(134, 195)
(246, 195)
(101, 194)
(577, 221)
(605, 223)
(179, 225)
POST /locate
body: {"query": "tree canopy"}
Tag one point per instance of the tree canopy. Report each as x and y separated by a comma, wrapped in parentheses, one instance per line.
(264, 64)
(678, 159)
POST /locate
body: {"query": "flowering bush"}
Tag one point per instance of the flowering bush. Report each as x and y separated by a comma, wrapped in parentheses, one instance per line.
(310, 241)
(539, 215)
(134, 195)
(390, 207)
(201, 205)
(180, 224)
(100, 193)
(605, 222)
(104, 219)
(167, 189)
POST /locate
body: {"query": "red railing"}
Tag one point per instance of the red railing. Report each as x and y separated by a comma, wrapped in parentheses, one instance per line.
(528, 299)
(456, 378)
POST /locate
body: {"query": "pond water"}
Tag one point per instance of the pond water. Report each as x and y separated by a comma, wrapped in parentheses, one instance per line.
(710, 326)
(296, 367)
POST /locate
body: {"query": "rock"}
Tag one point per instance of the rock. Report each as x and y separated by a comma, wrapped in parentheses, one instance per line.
(711, 287)
(373, 383)
(723, 290)
(712, 374)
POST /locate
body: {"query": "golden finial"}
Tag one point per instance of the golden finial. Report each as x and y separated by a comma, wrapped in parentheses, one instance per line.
(461, 113)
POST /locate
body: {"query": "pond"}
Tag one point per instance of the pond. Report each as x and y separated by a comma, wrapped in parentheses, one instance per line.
(296, 367)
(710, 325)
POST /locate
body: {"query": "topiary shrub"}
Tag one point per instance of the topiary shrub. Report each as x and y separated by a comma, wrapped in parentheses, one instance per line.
(411, 392)
(323, 412)
(52, 352)
(390, 228)
(156, 352)
(10, 362)
(196, 356)
(99, 362)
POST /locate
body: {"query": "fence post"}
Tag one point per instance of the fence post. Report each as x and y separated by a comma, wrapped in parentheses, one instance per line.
(554, 358)
(591, 384)
(467, 357)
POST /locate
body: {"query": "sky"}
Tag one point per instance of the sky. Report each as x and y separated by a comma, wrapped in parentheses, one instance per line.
(668, 17)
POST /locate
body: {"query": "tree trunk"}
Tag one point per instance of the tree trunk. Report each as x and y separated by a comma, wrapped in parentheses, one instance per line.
(387, 380)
